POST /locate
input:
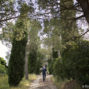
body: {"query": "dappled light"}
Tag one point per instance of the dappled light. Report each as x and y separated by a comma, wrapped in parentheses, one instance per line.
(39, 84)
(47, 43)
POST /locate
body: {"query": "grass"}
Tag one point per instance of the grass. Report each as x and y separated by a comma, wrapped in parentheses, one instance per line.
(24, 84)
(59, 83)
(66, 84)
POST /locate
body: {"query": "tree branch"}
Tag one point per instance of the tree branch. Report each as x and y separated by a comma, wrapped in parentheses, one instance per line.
(9, 18)
(84, 33)
(79, 17)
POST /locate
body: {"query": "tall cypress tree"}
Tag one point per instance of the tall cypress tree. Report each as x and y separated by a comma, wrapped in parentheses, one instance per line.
(34, 45)
(32, 60)
(16, 62)
(17, 58)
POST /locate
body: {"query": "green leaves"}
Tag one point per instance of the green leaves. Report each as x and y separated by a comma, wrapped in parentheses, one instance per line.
(24, 10)
(75, 59)
(2, 65)
(34, 55)
(6, 11)
(2, 69)
(16, 62)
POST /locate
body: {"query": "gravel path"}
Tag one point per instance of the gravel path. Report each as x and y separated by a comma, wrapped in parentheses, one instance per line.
(39, 84)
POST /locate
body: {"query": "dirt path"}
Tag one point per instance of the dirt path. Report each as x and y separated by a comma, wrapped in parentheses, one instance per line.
(39, 84)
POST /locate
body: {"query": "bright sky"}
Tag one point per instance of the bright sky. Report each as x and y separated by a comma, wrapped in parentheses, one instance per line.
(3, 50)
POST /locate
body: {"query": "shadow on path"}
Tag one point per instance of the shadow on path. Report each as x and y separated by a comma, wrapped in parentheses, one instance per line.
(39, 84)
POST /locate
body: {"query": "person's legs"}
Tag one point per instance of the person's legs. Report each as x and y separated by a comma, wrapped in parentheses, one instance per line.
(44, 77)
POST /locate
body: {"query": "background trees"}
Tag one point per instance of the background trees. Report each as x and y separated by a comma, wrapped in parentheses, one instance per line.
(69, 29)
(62, 38)
(2, 66)
(73, 63)
(7, 11)
(75, 59)
(68, 36)
(34, 62)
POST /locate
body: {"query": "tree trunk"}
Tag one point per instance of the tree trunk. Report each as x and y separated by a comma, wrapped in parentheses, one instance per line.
(26, 59)
(26, 65)
(85, 7)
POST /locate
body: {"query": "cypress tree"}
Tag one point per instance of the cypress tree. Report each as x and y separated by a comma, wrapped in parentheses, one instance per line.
(16, 62)
(17, 58)
(32, 61)
(34, 45)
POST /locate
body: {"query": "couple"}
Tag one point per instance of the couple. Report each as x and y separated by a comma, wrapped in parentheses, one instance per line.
(44, 73)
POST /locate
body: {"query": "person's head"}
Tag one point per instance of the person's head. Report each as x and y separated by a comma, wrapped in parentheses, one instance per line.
(43, 66)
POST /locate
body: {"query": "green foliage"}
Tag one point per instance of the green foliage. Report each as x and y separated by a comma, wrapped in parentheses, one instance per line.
(24, 10)
(21, 25)
(2, 66)
(2, 61)
(34, 56)
(16, 62)
(69, 28)
(58, 69)
(74, 62)
(64, 84)
(18, 34)
(6, 11)
(39, 61)
(24, 84)
(8, 32)
(54, 53)
(38, 66)
(50, 66)
(32, 60)
(52, 60)
(2, 69)
(35, 61)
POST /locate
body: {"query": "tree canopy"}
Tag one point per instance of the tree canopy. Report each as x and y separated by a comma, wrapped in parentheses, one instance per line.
(45, 31)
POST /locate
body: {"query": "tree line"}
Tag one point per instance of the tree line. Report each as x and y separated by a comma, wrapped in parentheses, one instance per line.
(68, 57)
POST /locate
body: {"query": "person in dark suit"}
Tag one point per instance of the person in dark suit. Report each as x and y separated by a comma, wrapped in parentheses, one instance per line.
(44, 73)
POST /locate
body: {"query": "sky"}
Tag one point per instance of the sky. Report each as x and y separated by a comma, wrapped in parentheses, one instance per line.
(3, 50)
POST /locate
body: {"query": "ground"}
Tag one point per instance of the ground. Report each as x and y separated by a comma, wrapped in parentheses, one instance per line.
(39, 84)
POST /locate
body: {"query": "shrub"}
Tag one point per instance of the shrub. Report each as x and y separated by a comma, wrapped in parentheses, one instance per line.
(2, 61)
(2, 69)
(2, 65)
(50, 66)
(75, 61)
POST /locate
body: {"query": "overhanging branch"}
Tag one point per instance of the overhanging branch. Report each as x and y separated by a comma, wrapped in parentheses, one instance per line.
(79, 17)
(9, 18)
